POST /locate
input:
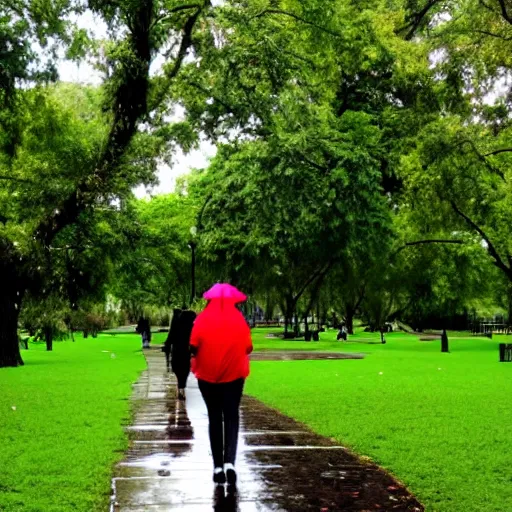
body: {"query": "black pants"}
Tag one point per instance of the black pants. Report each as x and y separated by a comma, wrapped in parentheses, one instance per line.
(182, 377)
(223, 403)
(180, 364)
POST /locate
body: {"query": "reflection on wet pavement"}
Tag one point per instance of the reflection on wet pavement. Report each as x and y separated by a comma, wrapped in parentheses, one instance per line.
(281, 465)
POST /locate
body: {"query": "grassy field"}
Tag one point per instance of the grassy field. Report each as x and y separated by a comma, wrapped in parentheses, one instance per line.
(61, 423)
(442, 423)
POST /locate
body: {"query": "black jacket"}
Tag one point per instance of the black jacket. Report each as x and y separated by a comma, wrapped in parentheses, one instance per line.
(178, 340)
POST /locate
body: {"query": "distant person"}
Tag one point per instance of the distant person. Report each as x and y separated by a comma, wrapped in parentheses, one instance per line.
(342, 333)
(144, 329)
(220, 346)
(177, 346)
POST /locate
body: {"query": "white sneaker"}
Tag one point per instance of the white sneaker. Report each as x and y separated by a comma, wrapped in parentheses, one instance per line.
(229, 469)
(219, 477)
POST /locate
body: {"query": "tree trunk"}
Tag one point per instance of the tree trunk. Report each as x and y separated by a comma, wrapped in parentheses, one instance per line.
(323, 319)
(509, 319)
(307, 334)
(48, 337)
(296, 330)
(444, 342)
(9, 312)
(349, 320)
(290, 318)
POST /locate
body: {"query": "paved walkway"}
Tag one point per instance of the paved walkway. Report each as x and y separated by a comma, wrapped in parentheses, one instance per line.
(281, 465)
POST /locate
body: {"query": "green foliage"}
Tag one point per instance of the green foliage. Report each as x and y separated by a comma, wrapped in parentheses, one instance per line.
(457, 175)
(342, 137)
(329, 110)
(65, 164)
(156, 269)
(49, 317)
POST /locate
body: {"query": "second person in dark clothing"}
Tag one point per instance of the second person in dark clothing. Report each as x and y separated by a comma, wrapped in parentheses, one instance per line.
(177, 347)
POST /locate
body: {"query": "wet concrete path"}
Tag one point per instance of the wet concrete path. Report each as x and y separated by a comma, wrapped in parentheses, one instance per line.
(281, 465)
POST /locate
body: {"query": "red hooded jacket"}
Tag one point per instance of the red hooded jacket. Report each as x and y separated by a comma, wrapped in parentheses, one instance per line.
(222, 340)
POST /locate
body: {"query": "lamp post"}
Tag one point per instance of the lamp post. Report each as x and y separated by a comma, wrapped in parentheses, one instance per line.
(192, 244)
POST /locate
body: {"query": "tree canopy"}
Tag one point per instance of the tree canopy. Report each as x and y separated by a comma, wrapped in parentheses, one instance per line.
(363, 154)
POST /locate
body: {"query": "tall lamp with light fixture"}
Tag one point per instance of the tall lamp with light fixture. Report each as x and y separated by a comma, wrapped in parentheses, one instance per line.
(192, 244)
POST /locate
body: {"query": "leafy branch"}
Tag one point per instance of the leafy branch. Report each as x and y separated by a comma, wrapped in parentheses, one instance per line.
(297, 18)
(416, 19)
(499, 151)
(491, 249)
(424, 242)
(14, 178)
(483, 158)
(176, 9)
(504, 12)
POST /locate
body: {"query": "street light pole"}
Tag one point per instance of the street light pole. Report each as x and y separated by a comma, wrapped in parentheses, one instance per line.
(192, 244)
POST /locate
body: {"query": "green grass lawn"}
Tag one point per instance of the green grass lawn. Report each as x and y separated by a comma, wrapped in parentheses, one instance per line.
(61, 423)
(442, 423)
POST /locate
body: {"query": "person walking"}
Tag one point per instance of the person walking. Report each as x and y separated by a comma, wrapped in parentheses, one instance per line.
(177, 347)
(144, 329)
(220, 345)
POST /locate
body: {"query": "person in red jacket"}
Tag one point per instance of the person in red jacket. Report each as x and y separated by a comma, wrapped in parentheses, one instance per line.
(220, 344)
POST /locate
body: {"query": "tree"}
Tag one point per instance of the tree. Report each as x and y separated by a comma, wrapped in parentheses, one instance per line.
(458, 173)
(111, 168)
(327, 104)
(315, 182)
(46, 318)
(156, 269)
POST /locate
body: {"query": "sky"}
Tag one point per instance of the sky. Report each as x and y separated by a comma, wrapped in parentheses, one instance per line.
(86, 74)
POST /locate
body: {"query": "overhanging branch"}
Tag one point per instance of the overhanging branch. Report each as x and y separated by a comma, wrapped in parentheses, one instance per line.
(176, 9)
(297, 18)
(433, 241)
(416, 19)
(504, 12)
(13, 178)
(186, 43)
(483, 158)
(499, 151)
(492, 34)
(320, 273)
(314, 164)
(491, 249)
(129, 106)
(425, 242)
